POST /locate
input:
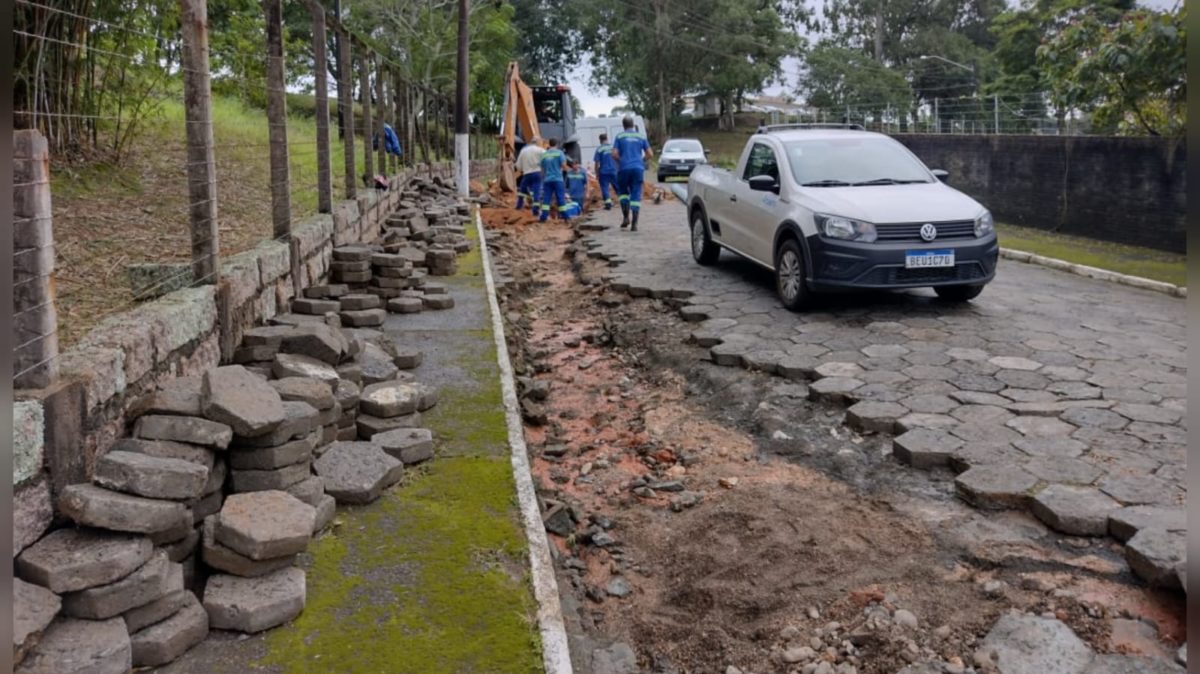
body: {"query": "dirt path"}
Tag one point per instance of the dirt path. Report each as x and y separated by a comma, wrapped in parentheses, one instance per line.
(721, 520)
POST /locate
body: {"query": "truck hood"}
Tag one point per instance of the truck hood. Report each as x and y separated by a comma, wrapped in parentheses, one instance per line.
(921, 202)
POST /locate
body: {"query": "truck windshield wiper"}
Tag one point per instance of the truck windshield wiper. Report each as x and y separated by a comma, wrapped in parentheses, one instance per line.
(888, 181)
(826, 183)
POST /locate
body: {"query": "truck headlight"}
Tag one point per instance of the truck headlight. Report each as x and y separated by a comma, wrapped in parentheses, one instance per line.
(984, 224)
(836, 227)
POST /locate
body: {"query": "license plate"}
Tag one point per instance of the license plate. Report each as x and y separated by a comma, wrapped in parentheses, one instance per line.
(922, 259)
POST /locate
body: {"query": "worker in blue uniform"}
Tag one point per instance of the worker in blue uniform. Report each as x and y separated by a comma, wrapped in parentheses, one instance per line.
(553, 187)
(605, 168)
(577, 180)
(631, 150)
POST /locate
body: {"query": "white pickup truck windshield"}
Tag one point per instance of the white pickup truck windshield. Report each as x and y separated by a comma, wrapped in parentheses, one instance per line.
(852, 161)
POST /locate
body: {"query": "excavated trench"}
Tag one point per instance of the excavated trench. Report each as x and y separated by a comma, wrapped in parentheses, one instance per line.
(712, 518)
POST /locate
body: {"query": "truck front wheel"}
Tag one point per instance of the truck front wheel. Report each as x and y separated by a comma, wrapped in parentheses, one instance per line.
(789, 276)
(704, 250)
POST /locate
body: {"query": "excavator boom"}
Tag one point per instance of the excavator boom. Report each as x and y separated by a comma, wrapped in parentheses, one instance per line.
(518, 119)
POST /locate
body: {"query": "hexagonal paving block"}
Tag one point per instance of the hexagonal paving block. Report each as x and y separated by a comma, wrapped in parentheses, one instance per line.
(410, 445)
(1159, 433)
(1074, 510)
(967, 354)
(1124, 523)
(232, 395)
(1040, 426)
(930, 372)
(166, 641)
(925, 448)
(930, 403)
(67, 560)
(265, 524)
(293, 365)
(1075, 390)
(71, 646)
(254, 604)
(1139, 489)
(148, 582)
(995, 487)
(978, 398)
(915, 420)
(1013, 363)
(1028, 395)
(763, 360)
(838, 369)
(982, 415)
(1050, 446)
(885, 350)
(1095, 418)
(389, 399)
(1156, 555)
(834, 389)
(1028, 644)
(357, 472)
(878, 417)
(1062, 469)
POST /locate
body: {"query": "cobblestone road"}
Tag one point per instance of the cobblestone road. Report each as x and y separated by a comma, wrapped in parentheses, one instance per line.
(1051, 392)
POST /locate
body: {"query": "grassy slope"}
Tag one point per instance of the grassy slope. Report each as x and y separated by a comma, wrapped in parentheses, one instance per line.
(106, 217)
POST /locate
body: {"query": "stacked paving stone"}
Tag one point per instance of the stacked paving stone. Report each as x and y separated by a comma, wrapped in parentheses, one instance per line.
(351, 265)
(254, 542)
(227, 476)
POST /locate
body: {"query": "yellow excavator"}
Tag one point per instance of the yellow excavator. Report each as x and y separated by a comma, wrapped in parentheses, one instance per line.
(533, 112)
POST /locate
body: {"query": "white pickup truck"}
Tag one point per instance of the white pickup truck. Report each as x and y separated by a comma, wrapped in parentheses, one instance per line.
(831, 209)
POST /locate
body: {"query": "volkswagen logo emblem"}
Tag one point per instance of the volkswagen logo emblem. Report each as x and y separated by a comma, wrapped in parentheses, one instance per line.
(928, 231)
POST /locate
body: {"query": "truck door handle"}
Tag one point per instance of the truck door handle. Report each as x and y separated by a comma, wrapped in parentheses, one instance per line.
(733, 197)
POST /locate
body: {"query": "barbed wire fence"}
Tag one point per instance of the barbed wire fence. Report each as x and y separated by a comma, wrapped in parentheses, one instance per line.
(1024, 113)
(174, 178)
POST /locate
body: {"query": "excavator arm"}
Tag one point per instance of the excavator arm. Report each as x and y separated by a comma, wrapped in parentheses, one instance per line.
(518, 118)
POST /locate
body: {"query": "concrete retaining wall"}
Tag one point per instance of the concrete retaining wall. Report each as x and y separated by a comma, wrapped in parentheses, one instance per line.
(61, 430)
(1130, 190)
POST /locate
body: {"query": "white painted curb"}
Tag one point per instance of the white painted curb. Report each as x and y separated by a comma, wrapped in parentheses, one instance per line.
(556, 654)
(1094, 272)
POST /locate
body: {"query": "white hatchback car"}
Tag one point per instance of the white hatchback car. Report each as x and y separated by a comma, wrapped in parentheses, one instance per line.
(841, 208)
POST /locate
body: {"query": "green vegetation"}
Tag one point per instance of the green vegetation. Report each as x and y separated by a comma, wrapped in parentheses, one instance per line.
(1132, 260)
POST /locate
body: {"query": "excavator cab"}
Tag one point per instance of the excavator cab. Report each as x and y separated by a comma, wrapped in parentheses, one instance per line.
(556, 116)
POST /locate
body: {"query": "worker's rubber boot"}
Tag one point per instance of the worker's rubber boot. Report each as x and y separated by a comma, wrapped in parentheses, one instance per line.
(520, 203)
(624, 216)
(633, 227)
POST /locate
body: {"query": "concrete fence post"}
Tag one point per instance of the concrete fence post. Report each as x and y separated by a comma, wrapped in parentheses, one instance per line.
(202, 165)
(346, 105)
(320, 75)
(35, 317)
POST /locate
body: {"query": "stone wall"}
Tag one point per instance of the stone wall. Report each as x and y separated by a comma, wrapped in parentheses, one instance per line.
(1128, 190)
(62, 429)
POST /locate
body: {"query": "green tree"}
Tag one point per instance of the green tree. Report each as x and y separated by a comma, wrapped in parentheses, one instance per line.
(654, 52)
(839, 77)
(1131, 75)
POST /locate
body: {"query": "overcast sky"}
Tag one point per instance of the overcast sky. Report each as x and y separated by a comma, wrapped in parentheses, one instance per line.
(597, 101)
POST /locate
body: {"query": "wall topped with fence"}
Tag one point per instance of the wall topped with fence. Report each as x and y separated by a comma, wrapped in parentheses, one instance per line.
(164, 131)
(220, 208)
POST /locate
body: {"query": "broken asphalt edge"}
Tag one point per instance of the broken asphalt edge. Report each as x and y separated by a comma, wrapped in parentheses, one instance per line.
(556, 655)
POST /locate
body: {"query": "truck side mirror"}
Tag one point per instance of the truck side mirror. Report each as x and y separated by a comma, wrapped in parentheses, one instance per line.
(940, 174)
(764, 183)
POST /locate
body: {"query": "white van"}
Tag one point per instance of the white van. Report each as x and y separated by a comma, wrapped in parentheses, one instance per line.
(588, 130)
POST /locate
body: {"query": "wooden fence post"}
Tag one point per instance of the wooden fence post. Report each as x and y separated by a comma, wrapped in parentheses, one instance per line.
(368, 125)
(201, 164)
(320, 75)
(281, 207)
(346, 104)
(381, 152)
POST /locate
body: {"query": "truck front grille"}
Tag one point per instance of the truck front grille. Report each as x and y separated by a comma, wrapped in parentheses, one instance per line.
(911, 231)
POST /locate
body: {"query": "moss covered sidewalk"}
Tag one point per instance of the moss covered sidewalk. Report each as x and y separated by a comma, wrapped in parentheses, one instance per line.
(433, 577)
